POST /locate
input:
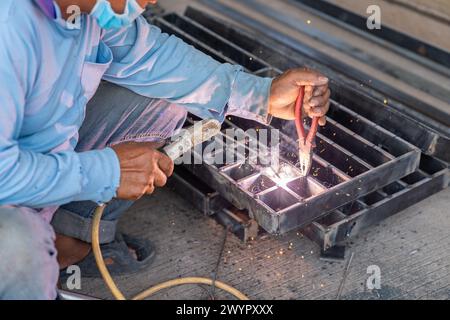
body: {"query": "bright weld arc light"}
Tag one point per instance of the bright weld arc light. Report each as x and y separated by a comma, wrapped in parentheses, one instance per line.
(282, 176)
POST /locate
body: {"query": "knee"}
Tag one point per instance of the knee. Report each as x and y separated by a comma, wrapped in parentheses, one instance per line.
(28, 267)
(22, 232)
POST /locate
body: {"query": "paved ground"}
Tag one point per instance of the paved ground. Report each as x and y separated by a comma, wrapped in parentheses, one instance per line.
(411, 249)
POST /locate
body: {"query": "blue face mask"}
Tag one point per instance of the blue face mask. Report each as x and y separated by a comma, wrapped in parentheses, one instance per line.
(107, 18)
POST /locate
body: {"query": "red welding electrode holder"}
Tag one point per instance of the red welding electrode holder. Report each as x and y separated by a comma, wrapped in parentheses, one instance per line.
(306, 141)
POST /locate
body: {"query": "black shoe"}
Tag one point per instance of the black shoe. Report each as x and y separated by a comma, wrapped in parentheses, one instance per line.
(124, 262)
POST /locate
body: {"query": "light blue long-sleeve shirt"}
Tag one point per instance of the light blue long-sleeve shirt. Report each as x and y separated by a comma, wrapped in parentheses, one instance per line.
(48, 73)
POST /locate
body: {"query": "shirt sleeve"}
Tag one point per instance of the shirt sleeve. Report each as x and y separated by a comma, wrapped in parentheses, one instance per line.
(34, 179)
(157, 65)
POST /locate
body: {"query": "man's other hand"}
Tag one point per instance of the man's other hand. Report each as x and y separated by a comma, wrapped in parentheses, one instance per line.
(285, 90)
(142, 169)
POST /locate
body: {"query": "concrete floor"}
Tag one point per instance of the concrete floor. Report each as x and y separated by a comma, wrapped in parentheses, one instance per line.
(411, 249)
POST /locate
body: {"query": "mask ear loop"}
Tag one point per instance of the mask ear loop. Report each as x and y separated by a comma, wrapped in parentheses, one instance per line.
(123, 19)
(126, 11)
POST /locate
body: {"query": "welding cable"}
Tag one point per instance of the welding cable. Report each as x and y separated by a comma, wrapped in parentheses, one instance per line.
(219, 259)
(151, 291)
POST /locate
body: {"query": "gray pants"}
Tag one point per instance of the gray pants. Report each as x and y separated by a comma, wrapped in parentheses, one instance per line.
(28, 266)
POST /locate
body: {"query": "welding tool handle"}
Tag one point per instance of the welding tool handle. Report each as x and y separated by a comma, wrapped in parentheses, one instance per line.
(202, 131)
(303, 138)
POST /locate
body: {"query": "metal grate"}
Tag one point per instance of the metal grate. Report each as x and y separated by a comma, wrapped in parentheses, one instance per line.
(354, 157)
(349, 220)
(352, 89)
(334, 227)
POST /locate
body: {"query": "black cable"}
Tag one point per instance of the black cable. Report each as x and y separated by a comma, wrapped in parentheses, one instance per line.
(219, 260)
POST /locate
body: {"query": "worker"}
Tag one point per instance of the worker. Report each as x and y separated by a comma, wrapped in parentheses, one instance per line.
(70, 141)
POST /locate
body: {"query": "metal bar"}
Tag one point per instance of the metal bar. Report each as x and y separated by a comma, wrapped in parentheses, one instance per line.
(341, 158)
(67, 295)
(367, 129)
(349, 140)
(400, 39)
(239, 224)
(169, 28)
(430, 12)
(242, 57)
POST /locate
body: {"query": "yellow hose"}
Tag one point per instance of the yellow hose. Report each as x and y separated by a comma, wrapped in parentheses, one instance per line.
(151, 291)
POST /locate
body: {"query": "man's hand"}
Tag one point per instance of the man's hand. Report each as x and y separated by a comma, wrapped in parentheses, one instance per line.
(285, 90)
(142, 169)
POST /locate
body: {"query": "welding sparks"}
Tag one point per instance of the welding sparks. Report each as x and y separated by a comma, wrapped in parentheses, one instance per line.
(281, 175)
